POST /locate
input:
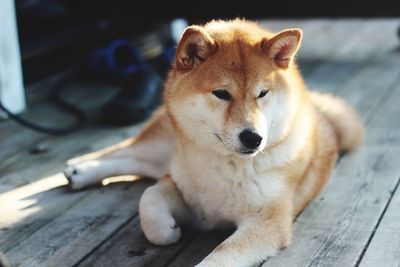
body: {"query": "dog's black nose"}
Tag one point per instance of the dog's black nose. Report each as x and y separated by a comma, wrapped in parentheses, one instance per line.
(250, 139)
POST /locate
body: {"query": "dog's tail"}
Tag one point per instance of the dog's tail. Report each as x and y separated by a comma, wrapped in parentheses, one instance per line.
(346, 123)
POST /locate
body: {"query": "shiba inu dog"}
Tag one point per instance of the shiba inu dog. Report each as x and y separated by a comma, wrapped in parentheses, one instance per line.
(239, 142)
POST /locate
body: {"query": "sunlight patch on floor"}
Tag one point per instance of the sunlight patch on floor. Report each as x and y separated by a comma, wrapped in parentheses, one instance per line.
(17, 204)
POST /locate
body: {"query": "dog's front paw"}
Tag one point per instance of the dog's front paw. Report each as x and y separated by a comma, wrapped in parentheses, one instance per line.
(156, 220)
(80, 175)
(160, 230)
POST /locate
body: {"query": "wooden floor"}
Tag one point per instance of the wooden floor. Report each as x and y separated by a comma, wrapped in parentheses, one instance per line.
(355, 221)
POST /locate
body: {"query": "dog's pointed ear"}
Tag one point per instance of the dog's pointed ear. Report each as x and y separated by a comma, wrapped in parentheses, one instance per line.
(194, 48)
(283, 46)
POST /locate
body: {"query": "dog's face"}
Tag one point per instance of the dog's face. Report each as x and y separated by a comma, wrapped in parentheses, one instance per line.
(231, 90)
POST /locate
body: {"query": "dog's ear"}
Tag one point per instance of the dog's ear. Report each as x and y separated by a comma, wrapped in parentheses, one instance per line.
(194, 48)
(283, 46)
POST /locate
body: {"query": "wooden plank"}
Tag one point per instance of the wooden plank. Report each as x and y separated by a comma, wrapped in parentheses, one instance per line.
(335, 227)
(384, 248)
(334, 50)
(45, 170)
(73, 234)
(327, 37)
(350, 53)
(116, 250)
(129, 247)
(31, 207)
(322, 38)
(199, 248)
(364, 90)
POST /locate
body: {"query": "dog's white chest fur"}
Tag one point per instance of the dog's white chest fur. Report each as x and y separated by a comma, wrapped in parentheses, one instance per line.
(222, 190)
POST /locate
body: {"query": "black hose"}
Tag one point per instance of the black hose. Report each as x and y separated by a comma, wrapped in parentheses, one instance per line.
(80, 117)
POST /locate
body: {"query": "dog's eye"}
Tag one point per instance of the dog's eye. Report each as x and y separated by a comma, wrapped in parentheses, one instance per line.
(222, 94)
(263, 93)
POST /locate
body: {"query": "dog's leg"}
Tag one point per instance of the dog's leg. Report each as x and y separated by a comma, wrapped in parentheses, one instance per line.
(255, 239)
(148, 155)
(161, 209)
(94, 171)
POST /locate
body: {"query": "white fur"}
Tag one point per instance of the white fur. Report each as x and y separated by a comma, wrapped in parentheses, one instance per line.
(161, 208)
(230, 186)
(94, 171)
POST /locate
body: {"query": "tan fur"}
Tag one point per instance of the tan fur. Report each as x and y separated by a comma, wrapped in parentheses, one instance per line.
(194, 138)
(344, 119)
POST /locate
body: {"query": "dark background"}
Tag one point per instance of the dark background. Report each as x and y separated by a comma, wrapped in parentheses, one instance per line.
(56, 34)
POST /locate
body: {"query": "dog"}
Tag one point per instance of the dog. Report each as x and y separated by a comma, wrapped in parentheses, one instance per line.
(238, 142)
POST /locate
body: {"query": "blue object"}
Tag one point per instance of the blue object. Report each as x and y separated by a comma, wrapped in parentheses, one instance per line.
(141, 86)
(118, 58)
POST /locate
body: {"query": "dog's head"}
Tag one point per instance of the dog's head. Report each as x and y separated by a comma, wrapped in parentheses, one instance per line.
(233, 85)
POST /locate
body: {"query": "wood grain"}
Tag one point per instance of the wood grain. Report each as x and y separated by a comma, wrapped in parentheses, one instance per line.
(129, 247)
(385, 244)
(73, 234)
(199, 248)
